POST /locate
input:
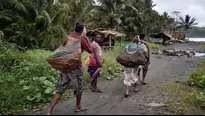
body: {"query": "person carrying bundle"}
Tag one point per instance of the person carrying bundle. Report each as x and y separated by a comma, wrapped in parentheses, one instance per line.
(131, 58)
(67, 59)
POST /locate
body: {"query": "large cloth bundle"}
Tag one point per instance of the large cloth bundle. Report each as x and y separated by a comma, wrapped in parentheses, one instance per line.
(133, 55)
(67, 55)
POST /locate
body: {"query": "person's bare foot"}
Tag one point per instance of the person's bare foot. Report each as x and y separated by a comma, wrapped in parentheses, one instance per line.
(81, 109)
(96, 90)
(127, 95)
(49, 113)
(143, 82)
(136, 90)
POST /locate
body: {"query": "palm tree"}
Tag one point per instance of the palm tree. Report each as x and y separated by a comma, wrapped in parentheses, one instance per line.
(44, 23)
(34, 22)
(176, 13)
(139, 16)
(167, 22)
(108, 14)
(187, 23)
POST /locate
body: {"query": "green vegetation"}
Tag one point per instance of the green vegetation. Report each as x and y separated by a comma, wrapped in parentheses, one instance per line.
(183, 100)
(155, 46)
(44, 24)
(197, 78)
(187, 98)
(203, 46)
(27, 80)
(186, 40)
(187, 23)
(29, 29)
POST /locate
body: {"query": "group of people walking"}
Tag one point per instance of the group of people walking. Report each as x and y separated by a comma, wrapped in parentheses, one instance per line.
(74, 76)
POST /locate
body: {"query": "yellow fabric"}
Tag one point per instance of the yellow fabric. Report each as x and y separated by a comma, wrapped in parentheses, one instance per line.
(87, 61)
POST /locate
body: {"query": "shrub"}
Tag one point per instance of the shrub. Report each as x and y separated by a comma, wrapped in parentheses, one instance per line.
(27, 80)
(203, 46)
(197, 78)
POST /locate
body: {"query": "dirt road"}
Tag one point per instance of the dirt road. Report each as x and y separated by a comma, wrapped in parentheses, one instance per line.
(112, 101)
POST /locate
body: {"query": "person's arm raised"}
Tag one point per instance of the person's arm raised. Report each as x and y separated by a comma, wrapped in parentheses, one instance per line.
(86, 44)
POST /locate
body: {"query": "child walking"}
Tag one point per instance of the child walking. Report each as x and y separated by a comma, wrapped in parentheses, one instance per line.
(94, 64)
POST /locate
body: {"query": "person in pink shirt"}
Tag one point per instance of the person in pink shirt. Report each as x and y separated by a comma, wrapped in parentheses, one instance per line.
(95, 62)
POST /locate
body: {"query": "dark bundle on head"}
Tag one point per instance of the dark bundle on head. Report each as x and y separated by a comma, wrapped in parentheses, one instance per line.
(142, 36)
(79, 28)
(93, 33)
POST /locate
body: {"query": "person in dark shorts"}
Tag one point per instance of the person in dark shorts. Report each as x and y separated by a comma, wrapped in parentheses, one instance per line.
(95, 63)
(73, 77)
(145, 67)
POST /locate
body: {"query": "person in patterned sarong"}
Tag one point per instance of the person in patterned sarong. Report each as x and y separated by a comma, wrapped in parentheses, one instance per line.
(73, 77)
(130, 74)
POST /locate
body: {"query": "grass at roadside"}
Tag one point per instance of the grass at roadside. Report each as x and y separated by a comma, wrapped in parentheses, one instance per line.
(203, 46)
(155, 46)
(187, 41)
(188, 97)
(183, 100)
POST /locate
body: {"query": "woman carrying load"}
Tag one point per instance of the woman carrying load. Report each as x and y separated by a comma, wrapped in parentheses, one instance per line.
(130, 73)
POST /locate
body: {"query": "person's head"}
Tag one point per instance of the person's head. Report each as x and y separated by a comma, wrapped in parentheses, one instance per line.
(142, 36)
(97, 38)
(136, 39)
(79, 28)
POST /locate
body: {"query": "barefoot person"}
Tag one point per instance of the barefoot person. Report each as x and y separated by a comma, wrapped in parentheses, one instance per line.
(95, 63)
(130, 74)
(74, 76)
(145, 67)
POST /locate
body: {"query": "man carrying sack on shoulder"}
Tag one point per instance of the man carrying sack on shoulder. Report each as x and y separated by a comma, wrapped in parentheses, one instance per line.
(72, 76)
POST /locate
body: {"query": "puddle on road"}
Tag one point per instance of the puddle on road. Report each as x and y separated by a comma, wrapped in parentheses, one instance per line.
(155, 104)
(200, 54)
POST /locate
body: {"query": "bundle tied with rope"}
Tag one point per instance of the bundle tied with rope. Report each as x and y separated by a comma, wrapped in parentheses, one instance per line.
(133, 55)
(67, 55)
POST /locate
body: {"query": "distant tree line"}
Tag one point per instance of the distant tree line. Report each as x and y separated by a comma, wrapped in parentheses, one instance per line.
(197, 32)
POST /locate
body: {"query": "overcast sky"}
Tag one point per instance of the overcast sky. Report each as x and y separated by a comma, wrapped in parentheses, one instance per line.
(195, 8)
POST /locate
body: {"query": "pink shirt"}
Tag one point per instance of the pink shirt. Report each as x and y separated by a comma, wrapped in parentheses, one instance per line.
(98, 50)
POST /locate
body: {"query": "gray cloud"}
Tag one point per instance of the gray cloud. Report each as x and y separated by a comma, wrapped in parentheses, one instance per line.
(195, 8)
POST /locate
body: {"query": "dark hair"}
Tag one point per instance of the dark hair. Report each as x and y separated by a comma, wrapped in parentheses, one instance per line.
(136, 39)
(79, 28)
(142, 36)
